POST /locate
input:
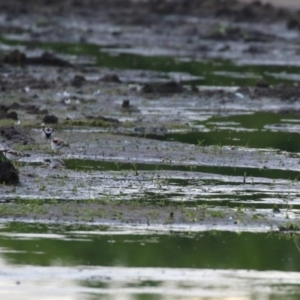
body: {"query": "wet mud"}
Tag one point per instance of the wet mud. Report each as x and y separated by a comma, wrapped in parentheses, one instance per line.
(121, 114)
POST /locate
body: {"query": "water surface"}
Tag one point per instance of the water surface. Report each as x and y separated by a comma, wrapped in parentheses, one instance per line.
(102, 262)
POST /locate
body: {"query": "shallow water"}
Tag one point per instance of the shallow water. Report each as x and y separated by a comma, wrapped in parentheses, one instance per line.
(99, 262)
(260, 130)
(213, 72)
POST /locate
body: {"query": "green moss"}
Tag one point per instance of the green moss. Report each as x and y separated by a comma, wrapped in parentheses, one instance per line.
(217, 214)
(7, 122)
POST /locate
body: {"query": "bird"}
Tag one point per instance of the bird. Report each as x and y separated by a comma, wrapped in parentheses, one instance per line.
(57, 144)
(48, 133)
(11, 154)
(54, 162)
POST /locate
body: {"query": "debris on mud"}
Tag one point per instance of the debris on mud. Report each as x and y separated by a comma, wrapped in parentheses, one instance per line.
(289, 228)
(128, 107)
(282, 91)
(20, 79)
(110, 78)
(14, 134)
(235, 34)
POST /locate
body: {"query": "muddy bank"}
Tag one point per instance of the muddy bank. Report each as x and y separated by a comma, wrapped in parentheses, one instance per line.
(117, 179)
(146, 215)
(130, 87)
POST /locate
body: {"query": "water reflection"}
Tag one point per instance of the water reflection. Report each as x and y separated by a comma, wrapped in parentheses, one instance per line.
(102, 263)
(214, 250)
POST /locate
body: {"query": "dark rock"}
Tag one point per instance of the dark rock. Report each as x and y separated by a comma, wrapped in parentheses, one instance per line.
(15, 105)
(15, 57)
(254, 50)
(166, 87)
(4, 108)
(4, 114)
(48, 59)
(170, 87)
(8, 174)
(147, 88)
(262, 84)
(12, 115)
(50, 119)
(7, 115)
(78, 81)
(111, 78)
(127, 107)
(293, 24)
(126, 103)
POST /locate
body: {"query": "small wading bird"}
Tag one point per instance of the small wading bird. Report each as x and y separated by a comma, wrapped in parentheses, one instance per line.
(13, 155)
(55, 163)
(47, 133)
(57, 144)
